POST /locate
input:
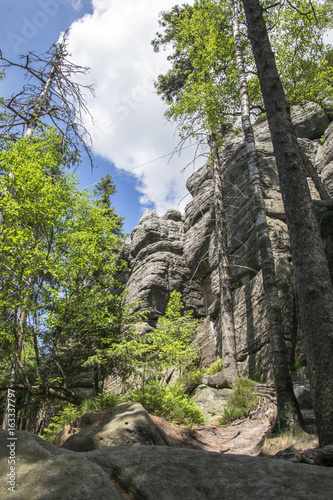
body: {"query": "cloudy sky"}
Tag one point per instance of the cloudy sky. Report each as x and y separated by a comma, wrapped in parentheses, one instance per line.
(132, 139)
(129, 131)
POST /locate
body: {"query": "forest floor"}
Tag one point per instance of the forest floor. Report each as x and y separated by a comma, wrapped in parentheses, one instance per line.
(249, 436)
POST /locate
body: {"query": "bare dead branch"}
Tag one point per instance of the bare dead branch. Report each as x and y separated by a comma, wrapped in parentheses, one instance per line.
(51, 94)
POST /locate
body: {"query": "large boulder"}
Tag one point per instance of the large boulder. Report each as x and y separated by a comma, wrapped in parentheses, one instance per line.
(309, 120)
(44, 471)
(129, 425)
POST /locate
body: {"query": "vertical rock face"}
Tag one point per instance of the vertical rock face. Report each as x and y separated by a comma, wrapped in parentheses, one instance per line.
(176, 252)
(324, 159)
(155, 257)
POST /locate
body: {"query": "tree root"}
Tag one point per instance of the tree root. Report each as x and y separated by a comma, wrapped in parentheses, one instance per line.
(316, 456)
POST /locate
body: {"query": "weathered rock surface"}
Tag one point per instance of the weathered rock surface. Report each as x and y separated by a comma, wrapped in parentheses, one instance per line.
(155, 256)
(129, 425)
(309, 120)
(180, 252)
(47, 472)
(211, 401)
(324, 159)
(303, 395)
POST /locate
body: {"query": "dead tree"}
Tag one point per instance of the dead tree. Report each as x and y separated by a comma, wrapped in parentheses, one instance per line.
(50, 97)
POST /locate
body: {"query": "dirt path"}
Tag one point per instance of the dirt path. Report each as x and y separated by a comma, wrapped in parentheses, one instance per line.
(240, 437)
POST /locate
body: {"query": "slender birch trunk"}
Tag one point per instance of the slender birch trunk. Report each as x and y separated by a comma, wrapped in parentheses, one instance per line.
(312, 277)
(288, 413)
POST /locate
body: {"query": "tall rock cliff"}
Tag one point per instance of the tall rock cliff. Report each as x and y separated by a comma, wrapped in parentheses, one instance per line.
(156, 258)
(177, 252)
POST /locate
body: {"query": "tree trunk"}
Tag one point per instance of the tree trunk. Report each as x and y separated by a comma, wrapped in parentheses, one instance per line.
(229, 373)
(312, 278)
(313, 174)
(288, 414)
(40, 102)
(15, 368)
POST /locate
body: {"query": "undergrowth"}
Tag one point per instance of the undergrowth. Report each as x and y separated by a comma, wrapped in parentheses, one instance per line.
(300, 373)
(70, 412)
(169, 402)
(191, 379)
(214, 367)
(101, 402)
(241, 402)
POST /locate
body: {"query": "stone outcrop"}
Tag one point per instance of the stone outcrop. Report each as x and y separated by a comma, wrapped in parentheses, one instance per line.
(155, 257)
(180, 252)
(44, 471)
(211, 401)
(129, 425)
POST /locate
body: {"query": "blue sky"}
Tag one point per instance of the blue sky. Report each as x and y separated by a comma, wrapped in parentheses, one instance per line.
(129, 129)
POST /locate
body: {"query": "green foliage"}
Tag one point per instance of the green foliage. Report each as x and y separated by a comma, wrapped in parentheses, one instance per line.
(299, 372)
(64, 417)
(214, 367)
(69, 412)
(103, 192)
(58, 266)
(169, 402)
(241, 402)
(174, 334)
(123, 352)
(202, 89)
(101, 402)
(257, 376)
(298, 365)
(190, 379)
(297, 37)
(261, 118)
(169, 345)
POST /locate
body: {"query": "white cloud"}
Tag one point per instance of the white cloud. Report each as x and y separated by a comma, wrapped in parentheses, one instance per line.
(129, 127)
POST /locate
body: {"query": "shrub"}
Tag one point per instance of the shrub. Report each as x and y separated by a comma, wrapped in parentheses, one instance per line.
(62, 418)
(215, 367)
(100, 402)
(241, 402)
(170, 345)
(169, 402)
(191, 379)
(257, 375)
(70, 412)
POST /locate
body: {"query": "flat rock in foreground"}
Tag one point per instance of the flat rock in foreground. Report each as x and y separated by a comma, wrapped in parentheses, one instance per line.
(44, 471)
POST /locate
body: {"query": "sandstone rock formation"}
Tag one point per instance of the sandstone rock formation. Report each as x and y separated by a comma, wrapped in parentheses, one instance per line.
(211, 401)
(177, 252)
(129, 425)
(155, 256)
(44, 471)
